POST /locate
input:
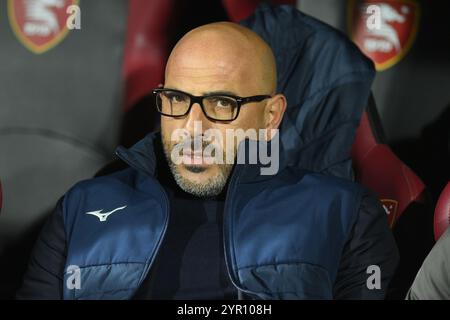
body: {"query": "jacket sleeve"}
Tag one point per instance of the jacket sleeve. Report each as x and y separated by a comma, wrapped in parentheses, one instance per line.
(370, 256)
(433, 279)
(44, 276)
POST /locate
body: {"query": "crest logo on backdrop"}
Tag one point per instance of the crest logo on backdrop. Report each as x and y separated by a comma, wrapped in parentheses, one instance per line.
(39, 24)
(384, 30)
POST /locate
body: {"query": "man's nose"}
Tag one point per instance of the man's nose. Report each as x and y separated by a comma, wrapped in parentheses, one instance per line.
(196, 115)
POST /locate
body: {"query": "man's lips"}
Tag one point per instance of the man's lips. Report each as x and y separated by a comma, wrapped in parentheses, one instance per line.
(190, 153)
(195, 158)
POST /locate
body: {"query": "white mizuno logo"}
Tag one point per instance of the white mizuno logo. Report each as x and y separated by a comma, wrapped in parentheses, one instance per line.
(102, 216)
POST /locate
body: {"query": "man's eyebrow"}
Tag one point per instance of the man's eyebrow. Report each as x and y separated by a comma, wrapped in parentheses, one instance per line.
(209, 93)
(171, 88)
(220, 92)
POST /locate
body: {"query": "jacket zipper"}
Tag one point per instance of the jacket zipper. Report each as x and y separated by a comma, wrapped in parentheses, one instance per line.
(160, 240)
(226, 217)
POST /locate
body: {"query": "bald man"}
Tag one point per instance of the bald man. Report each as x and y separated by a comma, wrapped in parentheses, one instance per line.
(189, 218)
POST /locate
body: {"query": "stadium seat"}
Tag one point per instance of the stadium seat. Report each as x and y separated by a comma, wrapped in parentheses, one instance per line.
(408, 80)
(238, 10)
(402, 193)
(442, 213)
(59, 118)
(379, 169)
(145, 47)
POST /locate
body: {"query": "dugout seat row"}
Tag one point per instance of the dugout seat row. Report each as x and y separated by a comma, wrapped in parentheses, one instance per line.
(54, 158)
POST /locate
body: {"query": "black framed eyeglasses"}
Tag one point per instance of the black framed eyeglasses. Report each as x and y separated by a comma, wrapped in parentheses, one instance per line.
(216, 107)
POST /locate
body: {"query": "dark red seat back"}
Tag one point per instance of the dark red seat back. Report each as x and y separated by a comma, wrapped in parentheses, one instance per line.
(145, 47)
(442, 213)
(241, 9)
(379, 169)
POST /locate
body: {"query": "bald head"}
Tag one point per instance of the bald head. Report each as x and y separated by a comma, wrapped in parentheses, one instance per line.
(223, 50)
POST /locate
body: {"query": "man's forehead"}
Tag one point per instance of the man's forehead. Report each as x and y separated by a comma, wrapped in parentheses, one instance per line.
(202, 62)
(203, 83)
(222, 53)
(203, 73)
(207, 55)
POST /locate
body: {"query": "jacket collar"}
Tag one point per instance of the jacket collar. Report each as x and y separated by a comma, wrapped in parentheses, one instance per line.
(141, 156)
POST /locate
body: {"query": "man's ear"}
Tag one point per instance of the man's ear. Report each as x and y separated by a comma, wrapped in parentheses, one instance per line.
(274, 110)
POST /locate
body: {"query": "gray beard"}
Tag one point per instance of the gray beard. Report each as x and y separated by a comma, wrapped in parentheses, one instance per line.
(210, 188)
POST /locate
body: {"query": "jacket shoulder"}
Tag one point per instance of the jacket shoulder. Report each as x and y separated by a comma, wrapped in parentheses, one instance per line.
(108, 190)
(324, 182)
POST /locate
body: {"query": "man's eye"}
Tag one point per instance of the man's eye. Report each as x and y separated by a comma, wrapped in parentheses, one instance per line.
(176, 98)
(223, 102)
